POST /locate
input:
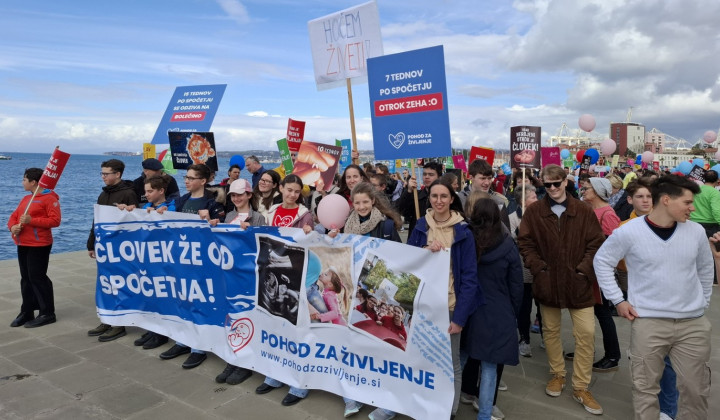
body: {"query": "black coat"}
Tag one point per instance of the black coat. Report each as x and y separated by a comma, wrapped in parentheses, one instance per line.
(490, 334)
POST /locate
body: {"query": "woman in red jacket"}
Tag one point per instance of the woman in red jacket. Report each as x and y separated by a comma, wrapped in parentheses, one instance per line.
(31, 233)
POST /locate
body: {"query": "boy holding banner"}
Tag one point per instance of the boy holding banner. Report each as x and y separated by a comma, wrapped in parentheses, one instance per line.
(30, 226)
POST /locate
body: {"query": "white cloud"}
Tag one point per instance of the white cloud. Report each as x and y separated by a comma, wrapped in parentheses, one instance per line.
(235, 10)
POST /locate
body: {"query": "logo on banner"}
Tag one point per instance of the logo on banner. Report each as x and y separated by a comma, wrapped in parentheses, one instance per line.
(397, 140)
(240, 333)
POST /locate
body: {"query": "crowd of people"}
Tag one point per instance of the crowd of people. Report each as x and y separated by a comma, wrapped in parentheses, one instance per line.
(642, 246)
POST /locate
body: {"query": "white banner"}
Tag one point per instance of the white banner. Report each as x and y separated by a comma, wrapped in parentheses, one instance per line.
(342, 42)
(356, 316)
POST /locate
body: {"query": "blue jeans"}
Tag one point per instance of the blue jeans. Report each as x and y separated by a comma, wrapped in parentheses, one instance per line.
(298, 392)
(668, 396)
(488, 381)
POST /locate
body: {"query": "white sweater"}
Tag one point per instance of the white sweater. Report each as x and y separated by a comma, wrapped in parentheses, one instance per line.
(666, 279)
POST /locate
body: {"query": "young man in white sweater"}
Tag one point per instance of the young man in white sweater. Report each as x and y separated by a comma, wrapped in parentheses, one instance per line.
(670, 274)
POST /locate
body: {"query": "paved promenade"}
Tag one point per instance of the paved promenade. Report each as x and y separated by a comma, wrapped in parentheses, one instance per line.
(58, 372)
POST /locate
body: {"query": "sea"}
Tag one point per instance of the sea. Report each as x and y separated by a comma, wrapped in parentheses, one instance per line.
(78, 188)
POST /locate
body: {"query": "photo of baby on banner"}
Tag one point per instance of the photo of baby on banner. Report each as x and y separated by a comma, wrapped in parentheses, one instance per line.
(280, 266)
(328, 285)
(383, 304)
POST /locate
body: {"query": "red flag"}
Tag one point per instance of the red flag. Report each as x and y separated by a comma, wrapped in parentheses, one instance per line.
(295, 134)
(54, 169)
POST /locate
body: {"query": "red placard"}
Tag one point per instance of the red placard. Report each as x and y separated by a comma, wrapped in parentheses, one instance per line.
(483, 153)
(656, 165)
(295, 134)
(54, 169)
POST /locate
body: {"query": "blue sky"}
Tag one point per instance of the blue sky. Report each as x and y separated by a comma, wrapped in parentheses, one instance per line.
(95, 76)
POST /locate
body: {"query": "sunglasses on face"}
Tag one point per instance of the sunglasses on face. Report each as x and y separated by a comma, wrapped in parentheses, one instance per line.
(555, 184)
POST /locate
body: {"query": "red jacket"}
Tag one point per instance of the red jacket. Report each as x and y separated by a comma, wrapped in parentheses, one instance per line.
(45, 214)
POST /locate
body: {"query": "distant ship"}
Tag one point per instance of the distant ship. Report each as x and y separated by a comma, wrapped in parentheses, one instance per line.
(3, 157)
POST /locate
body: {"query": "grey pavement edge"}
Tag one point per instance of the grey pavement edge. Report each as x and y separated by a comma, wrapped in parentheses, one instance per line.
(58, 372)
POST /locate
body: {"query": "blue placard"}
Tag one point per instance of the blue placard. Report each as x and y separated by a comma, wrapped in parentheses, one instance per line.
(191, 108)
(345, 158)
(408, 100)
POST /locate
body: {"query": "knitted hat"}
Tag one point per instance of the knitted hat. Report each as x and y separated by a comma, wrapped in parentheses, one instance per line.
(602, 187)
(152, 164)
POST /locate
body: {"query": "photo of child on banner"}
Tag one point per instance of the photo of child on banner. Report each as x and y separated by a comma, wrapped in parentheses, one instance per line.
(317, 164)
(383, 304)
(280, 267)
(328, 285)
(525, 147)
(190, 148)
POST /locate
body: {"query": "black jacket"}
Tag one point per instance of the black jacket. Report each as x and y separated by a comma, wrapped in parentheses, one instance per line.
(111, 195)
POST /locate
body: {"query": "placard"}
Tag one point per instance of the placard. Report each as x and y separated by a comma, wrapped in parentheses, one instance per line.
(191, 108)
(459, 162)
(285, 156)
(408, 100)
(342, 42)
(550, 156)
(295, 134)
(192, 148)
(525, 147)
(317, 164)
(484, 153)
(697, 174)
(345, 158)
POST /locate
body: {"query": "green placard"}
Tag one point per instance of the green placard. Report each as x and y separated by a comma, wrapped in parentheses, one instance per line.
(285, 155)
(449, 163)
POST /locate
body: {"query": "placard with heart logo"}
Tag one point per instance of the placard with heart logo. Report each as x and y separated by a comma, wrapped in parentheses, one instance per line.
(397, 140)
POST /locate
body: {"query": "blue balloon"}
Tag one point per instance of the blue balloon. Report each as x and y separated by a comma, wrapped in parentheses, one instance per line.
(716, 168)
(684, 167)
(238, 160)
(594, 155)
(564, 153)
(699, 162)
(638, 160)
(506, 169)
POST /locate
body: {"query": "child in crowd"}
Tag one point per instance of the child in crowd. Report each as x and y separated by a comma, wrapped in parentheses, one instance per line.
(30, 226)
(290, 213)
(244, 214)
(199, 201)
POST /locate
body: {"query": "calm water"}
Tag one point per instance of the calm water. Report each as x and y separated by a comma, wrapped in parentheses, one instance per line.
(78, 188)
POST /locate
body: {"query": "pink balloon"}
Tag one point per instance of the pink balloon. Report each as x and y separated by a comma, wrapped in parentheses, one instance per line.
(630, 162)
(717, 155)
(587, 122)
(648, 156)
(709, 136)
(333, 211)
(607, 147)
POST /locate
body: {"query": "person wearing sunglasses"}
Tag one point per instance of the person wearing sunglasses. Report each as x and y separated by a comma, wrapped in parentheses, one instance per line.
(558, 238)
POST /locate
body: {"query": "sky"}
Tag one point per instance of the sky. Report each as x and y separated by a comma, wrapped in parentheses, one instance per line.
(95, 76)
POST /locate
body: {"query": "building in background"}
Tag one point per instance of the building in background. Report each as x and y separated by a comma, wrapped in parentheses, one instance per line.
(628, 137)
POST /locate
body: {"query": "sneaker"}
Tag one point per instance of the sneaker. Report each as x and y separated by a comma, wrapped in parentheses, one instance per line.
(502, 386)
(113, 334)
(497, 414)
(379, 414)
(352, 408)
(555, 386)
(542, 343)
(584, 397)
(664, 416)
(194, 360)
(238, 376)
(525, 350)
(156, 341)
(222, 377)
(99, 330)
(466, 398)
(476, 405)
(605, 365)
(569, 356)
(174, 352)
(143, 339)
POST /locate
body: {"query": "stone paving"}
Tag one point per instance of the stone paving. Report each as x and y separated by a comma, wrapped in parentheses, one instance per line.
(58, 372)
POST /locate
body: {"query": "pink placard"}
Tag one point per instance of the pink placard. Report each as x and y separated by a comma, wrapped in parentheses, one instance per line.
(550, 156)
(459, 162)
